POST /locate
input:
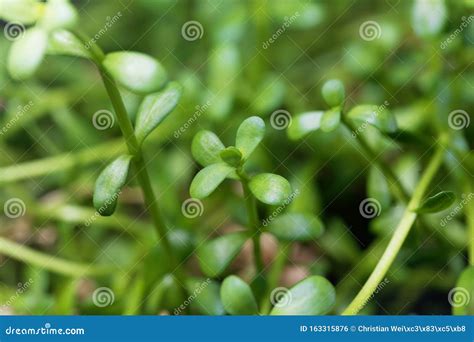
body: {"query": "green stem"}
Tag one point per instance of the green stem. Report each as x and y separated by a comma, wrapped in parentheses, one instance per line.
(398, 237)
(51, 263)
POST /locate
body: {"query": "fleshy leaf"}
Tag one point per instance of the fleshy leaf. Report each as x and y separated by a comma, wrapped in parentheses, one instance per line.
(312, 296)
(208, 179)
(237, 297)
(249, 134)
(155, 108)
(22, 11)
(207, 300)
(462, 296)
(331, 119)
(270, 188)
(109, 185)
(442, 200)
(63, 42)
(206, 147)
(26, 53)
(58, 14)
(231, 156)
(373, 115)
(136, 71)
(333, 92)
(304, 123)
(214, 256)
(296, 227)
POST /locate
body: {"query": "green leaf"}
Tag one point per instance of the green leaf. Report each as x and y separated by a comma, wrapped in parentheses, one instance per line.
(333, 92)
(304, 123)
(461, 297)
(136, 71)
(155, 108)
(214, 256)
(331, 119)
(442, 200)
(296, 227)
(270, 188)
(377, 187)
(373, 115)
(249, 134)
(237, 297)
(27, 53)
(58, 14)
(109, 185)
(63, 42)
(206, 293)
(429, 17)
(206, 147)
(208, 179)
(22, 11)
(232, 156)
(312, 296)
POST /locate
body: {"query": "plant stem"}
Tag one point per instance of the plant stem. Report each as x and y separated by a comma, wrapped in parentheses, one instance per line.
(254, 222)
(398, 237)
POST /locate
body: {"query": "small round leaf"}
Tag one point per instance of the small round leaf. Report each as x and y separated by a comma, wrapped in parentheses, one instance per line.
(136, 71)
(63, 42)
(270, 188)
(206, 147)
(208, 179)
(333, 92)
(312, 296)
(304, 123)
(462, 296)
(296, 227)
(207, 299)
(439, 202)
(331, 119)
(58, 14)
(232, 156)
(23, 11)
(237, 297)
(249, 134)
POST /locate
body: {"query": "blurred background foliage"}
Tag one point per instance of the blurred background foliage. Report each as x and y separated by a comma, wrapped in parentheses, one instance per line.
(51, 156)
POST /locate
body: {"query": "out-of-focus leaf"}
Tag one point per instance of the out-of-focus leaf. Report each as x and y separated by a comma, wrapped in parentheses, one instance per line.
(304, 123)
(109, 185)
(155, 108)
(314, 295)
(22, 11)
(136, 71)
(373, 115)
(270, 94)
(214, 256)
(377, 187)
(428, 17)
(296, 227)
(63, 42)
(206, 147)
(441, 201)
(461, 297)
(333, 92)
(207, 297)
(237, 297)
(208, 179)
(270, 188)
(26, 53)
(249, 134)
(58, 14)
(331, 119)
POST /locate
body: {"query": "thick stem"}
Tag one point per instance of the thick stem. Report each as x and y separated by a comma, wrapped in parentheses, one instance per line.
(398, 237)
